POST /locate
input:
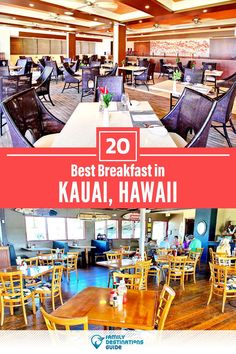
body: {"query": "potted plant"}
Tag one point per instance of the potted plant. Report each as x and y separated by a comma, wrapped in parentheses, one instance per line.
(105, 100)
(177, 75)
(193, 65)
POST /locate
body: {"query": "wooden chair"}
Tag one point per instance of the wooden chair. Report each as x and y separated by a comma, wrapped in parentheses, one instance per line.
(154, 271)
(53, 289)
(166, 298)
(32, 262)
(161, 252)
(199, 250)
(143, 268)
(71, 264)
(54, 251)
(132, 281)
(125, 248)
(191, 265)
(222, 284)
(46, 260)
(14, 295)
(52, 321)
(176, 269)
(112, 257)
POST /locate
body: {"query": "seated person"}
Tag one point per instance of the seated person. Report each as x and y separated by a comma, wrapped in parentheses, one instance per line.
(194, 244)
(224, 247)
(175, 244)
(186, 243)
(165, 243)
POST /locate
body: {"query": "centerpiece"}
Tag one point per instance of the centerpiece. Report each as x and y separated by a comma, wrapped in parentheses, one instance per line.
(177, 75)
(105, 100)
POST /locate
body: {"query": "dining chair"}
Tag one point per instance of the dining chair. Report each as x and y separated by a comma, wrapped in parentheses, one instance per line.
(42, 86)
(222, 114)
(210, 67)
(165, 70)
(112, 257)
(125, 248)
(192, 113)
(52, 321)
(132, 281)
(51, 289)
(71, 80)
(76, 66)
(199, 250)
(194, 76)
(13, 294)
(56, 72)
(29, 120)
(71, 264)
(142, 268)
(46, 259)
(166, 298)
(225, 83)
(32, 262)
(23, 64)
(4, 71)
(88, 81)
(141, 78)
(4, 62)
(114, 84)
(191, 265)
(112, 71)
(9, 86)
(176, 269)
(143, 62)
(223, 283)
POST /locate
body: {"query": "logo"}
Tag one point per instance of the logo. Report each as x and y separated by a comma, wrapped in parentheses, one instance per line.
(97, 340)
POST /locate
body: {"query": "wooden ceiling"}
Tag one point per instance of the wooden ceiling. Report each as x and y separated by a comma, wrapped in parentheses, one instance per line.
(97, 17)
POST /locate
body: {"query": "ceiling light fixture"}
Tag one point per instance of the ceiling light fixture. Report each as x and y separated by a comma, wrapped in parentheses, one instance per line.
(69, 13)
(140, 21)
(156, 25)
(205, 10)
(31, 5)
(147, 7)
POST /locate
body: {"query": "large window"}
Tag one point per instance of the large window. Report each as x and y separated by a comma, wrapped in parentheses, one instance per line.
(43, 229)
(130, 229)
(159, 229)
(108, 228)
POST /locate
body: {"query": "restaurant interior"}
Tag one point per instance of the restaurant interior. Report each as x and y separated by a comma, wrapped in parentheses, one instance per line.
(165, 66)
(139, 269)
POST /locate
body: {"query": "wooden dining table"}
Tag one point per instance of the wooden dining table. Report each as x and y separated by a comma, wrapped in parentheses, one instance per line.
(80, 129)
(130, 69)
(138, 313)
(117, 264)
(29, 272)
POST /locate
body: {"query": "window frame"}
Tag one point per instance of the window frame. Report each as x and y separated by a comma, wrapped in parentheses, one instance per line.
(133, 230)
(106, 221)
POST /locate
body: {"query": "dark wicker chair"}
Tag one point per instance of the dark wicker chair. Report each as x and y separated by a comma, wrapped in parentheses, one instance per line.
(196, 76)
(3, 62)
(223, 113)
(225, 83)
(141, 78)
(24, 67)
(209, 66)
(46, 57)
(42, 62)
(192, 113)
(95, 64)
(27, 116)
(76, 66)
(143, 62)
(71, 81)
(4, 71)
(102, 59)
(189, 64)
(56, 71)
(114, 84)
(165, 70)
(43, 85)
(88, 81)
(9, 86)
(93, 57)
(112, 72)
(85, 60)
(151, 72)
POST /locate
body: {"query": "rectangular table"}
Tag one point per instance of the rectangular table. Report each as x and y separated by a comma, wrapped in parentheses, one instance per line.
(131, 69)
(80, 130)
(86, 250)
(29, 272)
(117, 264)
(138, 313)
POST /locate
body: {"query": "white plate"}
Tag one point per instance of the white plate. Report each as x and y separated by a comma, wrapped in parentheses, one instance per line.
(160, 131)
(134, 103)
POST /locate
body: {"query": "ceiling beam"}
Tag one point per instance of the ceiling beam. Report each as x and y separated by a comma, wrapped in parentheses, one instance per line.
(47, 7)
(155, 9)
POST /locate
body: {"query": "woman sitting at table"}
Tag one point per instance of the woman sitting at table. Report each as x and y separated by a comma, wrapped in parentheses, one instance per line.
(224, 247)
(175, 244)
(186, 243)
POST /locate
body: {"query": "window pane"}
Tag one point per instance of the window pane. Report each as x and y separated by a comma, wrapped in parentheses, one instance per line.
(136, 229)
(75, 229)
(100, 228)
(127, 229)
(159, 230)
(56, 229)
(112, 229)
(35, 228)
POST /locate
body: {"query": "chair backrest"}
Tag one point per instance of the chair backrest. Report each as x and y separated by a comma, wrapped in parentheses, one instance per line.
(219, 275)
(114, 84)
(114, 256)
(23, 64)
(143, 62)
(3, 62)
(125, 248)
(75, 67)
(132, 281)
(113, 71)
(56, 278)
(193, 112)
(33, 261)
(95, 64)
(166, 298)
(194, 256)
(224, 105)
(42, 62)
(72, 260)
(194, 76)
(176, 264)
(46, 57)
(180, 67)
(12, 284)
(151, 69)
(143, 268)
(162, 252)
(61, 245)
(68, 72)
(52, 64)
(88, 77)
(46, 259)
(52, 322)
(12, 253)
(209, 66)
(10, 85)
(4, 71)
(44, 80)
(55, 250)
(189, 64)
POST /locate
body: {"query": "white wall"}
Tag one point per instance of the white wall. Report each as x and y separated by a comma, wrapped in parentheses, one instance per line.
(102, 47)
(5, 45)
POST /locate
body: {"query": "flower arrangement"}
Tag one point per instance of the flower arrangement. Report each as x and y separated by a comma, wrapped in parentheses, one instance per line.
(105, 96)
(177, 75)
(193, 64)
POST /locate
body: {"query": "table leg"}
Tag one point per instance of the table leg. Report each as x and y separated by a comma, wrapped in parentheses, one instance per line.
(86, 256)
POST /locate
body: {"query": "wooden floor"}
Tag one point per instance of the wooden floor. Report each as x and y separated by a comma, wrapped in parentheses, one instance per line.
(188, 311)
(66, 103)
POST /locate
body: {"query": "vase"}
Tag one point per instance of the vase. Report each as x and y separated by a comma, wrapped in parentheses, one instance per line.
(105, 118)
(174, 90)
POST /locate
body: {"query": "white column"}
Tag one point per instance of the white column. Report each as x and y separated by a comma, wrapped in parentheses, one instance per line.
(116, 43)
(142, 232)
(5, 43)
